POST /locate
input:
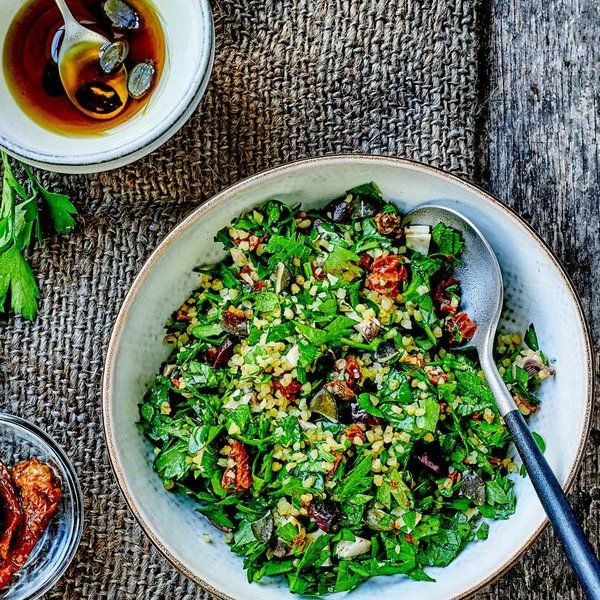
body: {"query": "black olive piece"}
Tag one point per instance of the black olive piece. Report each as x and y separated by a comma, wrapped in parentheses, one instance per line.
(325, 514)
(281, 548)
(386, 351)
(264, 528)
(326, 362)
(223, 354)
(236, 329)
(340, 210)
(351, 412)
(430, 456)
(359, 415)
(323, 403)
(98, 97)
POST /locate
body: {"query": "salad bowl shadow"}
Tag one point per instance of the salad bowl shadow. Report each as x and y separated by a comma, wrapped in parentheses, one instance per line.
(537, 290)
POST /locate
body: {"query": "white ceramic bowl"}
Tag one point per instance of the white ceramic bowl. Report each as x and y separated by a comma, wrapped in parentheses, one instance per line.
(190, 51)
(537, 291)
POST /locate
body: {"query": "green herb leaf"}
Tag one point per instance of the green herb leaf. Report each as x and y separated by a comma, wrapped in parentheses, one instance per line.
(342, 263)
(448, 240)
(20, 216)
(18, 283)
(266, 302)
(356, 480)
(531, 339)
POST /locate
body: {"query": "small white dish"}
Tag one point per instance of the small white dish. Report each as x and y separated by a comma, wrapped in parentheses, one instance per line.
(537, 290)
(189, 34)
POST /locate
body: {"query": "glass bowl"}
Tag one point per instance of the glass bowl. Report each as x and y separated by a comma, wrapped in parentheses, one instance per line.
(20, 440)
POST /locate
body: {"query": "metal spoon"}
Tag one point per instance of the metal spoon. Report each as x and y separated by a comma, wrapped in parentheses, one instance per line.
(482, 296)
(96, 95)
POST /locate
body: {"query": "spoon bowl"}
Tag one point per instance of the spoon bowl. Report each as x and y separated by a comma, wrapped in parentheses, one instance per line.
(96, 95)
(478, 272)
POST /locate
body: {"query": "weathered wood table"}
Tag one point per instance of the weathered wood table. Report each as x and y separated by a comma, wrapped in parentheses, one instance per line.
(539, 138)
(299, 78)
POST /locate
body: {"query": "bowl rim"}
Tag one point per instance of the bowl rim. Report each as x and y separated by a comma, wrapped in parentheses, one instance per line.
(213, 203)
(141, 145)
(72, 482)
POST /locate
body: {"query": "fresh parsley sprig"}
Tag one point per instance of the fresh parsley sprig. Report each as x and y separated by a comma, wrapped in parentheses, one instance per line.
(28, 214)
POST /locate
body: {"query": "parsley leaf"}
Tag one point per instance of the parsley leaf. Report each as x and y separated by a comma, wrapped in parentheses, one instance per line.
(342, 263)
(448, 240)
(21, 215)
(531, 338)
(17, 281)
(285, 249)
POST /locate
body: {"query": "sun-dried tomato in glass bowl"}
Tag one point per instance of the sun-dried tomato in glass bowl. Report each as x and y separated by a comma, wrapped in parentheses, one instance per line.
(41, 510)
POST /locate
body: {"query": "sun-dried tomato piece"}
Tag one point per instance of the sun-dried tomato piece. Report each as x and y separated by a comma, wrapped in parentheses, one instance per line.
(234, 316)
(40, 493)
(182, 315)
(388, 223)
(525, 407)
(353, 370)
(249, 277)
(355, 432)
(235, 321)
(454, 476)
(237, 476)
(442, 297)
(336, 463)
(13, 514)
(340, 390)
(366, 261)
(460, 328)
(254, 241)
(387, 275)
(436, 375)
(299, 542)
(317, 272)
(289, 391)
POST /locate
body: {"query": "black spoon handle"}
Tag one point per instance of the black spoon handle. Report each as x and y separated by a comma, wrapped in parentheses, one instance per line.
(553, 499)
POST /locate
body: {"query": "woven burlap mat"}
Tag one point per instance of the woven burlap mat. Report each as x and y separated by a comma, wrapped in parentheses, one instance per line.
(292, 79)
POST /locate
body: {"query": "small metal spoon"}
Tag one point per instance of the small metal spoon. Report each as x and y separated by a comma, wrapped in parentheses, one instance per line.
(96, 95)
(482, 297)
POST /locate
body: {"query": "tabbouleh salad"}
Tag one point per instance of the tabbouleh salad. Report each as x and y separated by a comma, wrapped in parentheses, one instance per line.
(316, 404)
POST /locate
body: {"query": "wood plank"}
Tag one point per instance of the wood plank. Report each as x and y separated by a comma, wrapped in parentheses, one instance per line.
(539, 153)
